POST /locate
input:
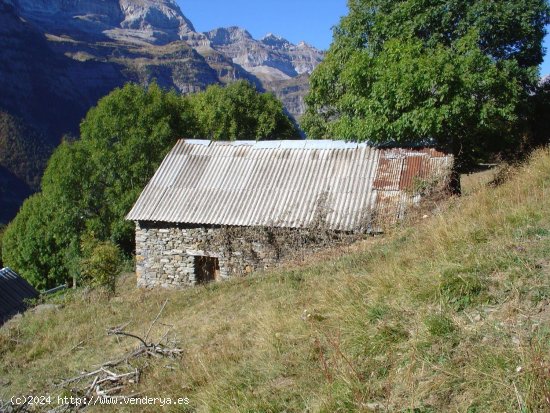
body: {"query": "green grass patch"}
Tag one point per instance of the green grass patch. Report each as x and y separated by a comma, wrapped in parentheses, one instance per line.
(461, 287)
(439, 325)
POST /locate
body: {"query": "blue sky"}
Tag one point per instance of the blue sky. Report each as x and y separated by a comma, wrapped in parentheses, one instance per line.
(295, 20)
(545, 67)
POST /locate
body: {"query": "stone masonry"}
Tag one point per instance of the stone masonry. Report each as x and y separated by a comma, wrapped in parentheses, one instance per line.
(165, 253)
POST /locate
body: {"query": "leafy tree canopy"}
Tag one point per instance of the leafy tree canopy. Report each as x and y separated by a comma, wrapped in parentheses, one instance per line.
(415, 71)
(125, 138)
(31, 246)
(91, 184)
(239, 112)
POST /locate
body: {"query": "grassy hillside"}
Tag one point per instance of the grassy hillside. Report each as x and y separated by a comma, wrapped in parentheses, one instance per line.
(451, 314)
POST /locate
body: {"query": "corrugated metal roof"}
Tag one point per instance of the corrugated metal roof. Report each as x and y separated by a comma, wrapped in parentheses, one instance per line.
(285, 183)
(13, 291)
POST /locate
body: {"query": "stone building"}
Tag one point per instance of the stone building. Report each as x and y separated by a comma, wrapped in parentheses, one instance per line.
(214, 210)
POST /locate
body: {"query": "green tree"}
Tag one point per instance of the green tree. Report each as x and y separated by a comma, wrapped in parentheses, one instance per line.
(457, 73)
(126, 137)
(31, 245)
(91, 184)
(239, 112)
(67, 185)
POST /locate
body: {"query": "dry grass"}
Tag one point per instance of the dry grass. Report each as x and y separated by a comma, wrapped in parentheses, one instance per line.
(476, 181)
(449, 315)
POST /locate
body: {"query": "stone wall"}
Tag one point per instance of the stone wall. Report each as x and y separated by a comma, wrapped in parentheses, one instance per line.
(165, 253)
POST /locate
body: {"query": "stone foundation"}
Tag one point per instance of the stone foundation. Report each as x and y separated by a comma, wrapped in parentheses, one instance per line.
(165, 253)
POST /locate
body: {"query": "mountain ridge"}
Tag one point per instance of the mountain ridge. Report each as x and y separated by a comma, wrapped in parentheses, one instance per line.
(72, 28)
(60, 57)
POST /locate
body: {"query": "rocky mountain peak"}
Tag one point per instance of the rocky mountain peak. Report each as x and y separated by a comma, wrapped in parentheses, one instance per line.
(273, 40)
(304, 45)
(135, 21)
(271, 58)
(224, 36)
(155, 15)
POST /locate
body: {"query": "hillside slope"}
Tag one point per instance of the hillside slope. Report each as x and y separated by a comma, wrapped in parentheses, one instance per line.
(451, 314)
(23, 156)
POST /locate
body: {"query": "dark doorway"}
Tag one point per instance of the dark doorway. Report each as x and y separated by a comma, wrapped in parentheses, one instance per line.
(207, 269)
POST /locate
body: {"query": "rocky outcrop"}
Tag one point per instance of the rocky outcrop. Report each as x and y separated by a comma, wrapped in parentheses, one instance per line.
(291, 92)
(83, 19)
(270, 58)
(137, 21)
(276, 64)
(152, 21)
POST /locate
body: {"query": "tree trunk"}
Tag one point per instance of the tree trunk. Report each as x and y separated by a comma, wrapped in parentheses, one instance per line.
(453, 186)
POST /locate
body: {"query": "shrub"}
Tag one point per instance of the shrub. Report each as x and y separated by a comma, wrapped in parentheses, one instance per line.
(103, 264)
(32, 243)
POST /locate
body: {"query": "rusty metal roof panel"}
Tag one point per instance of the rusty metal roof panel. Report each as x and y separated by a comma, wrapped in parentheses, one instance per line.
(414, 168)
(390, 167)
(283, 183)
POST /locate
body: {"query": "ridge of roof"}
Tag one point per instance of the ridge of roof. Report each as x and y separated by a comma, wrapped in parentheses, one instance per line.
(282, 144)
(313, 144)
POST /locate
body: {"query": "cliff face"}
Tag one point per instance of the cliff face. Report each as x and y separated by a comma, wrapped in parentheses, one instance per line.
(270, 58)
(278, 65)
(138, 40)
(60, 56)
(139, 21)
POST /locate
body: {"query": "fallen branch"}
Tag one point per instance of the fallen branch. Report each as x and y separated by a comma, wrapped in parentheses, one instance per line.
(80, 377)
(156, 319)
(126, 358)
(112, 377)
(122, 333)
